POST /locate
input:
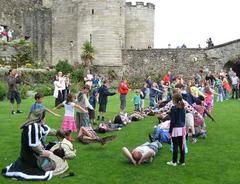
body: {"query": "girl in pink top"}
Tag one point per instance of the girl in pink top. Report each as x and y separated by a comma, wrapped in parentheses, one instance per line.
(209, 95)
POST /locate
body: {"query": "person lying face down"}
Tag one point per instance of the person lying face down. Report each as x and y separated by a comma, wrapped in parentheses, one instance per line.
(143, 153)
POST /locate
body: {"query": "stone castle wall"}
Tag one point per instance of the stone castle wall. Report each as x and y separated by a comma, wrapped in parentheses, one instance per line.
(64, 31)
(29, 18)
(139, 63)
(139, 27)
(60, 27)
(102, 23)
(77, 21)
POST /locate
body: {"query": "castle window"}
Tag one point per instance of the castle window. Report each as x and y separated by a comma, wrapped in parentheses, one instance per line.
(90, 37)
(92, 11)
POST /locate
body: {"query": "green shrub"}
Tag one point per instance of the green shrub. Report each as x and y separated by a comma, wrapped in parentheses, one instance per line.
(78, 74)
(3, 91)
(47, 77)
(75, 88)
(23, 90)
(45, 89)
(136, 82)
(64, 67)
(112, 75)
(25, 51)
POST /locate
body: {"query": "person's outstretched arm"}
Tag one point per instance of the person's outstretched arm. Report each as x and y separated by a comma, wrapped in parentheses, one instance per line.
(59, 106)
(127, 154)
(51, 112)
(80, 108)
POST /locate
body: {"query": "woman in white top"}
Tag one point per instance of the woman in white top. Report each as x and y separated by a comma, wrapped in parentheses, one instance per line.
(57, 92)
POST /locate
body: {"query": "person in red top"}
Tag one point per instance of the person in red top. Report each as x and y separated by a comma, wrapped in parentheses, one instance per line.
(167, 78)
(123, 90)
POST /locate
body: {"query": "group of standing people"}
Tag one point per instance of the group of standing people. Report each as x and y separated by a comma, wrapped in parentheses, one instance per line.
(6, 34)
(185, 103)
(62, 86)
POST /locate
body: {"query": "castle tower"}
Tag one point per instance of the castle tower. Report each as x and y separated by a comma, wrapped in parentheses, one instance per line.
(64, 31)
(139, 26)
(102, 23)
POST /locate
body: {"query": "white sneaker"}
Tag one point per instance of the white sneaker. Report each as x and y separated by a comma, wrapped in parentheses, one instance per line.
(194, 140)
(181, 163)
(171, 163)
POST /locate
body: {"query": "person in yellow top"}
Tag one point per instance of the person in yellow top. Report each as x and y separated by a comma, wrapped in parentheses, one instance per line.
(195, 91)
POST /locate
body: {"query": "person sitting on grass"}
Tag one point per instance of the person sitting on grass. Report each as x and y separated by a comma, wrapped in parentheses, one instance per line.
(143, 153)
(38, 105)
(87, 135)
(63, 148)
(27, 167)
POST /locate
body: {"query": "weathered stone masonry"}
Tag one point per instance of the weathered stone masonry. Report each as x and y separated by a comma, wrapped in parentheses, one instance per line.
(59, 28)
(179, 61)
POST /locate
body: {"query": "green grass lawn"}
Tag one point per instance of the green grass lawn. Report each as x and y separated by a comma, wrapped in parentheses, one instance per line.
(214, 160)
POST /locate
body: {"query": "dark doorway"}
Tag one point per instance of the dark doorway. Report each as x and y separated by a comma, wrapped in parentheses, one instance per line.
(235, 65)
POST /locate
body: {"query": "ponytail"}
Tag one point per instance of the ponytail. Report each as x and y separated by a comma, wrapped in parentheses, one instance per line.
(177, 100)
(180, 105)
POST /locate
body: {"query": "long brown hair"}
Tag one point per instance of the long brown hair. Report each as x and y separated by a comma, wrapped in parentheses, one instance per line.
(70, 98)
(178, 100)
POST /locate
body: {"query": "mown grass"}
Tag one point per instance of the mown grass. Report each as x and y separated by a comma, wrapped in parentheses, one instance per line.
(214, 160)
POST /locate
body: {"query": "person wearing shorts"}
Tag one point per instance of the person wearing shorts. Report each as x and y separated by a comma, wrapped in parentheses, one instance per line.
(13, 93)
(103, 98)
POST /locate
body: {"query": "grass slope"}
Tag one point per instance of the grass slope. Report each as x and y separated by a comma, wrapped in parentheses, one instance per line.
(214, 160)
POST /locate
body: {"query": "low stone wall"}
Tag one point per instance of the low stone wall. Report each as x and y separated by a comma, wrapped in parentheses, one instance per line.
(139, 63)
(6, 53)
(31, 76)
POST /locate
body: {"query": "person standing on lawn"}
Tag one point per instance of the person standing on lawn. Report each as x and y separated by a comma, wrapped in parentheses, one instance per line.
(13, 81)
(103, 99)
(177, 130)
(123, 90)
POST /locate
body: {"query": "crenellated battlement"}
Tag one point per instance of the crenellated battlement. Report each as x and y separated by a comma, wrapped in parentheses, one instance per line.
(140, 5)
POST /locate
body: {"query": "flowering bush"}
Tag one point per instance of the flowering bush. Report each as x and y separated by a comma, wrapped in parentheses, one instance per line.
(28, 65)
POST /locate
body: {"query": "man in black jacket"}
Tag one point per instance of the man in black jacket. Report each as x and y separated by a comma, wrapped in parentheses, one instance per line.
(103, 98)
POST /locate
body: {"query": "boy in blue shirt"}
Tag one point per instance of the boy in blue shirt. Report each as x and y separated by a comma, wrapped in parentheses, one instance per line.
(39, 106)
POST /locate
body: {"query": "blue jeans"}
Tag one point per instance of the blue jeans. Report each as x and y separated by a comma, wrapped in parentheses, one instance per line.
(82, 119)
(226, 94)
(137, 107)
(155, 146)
(152, 101)
(161, 135)
(122, 102)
